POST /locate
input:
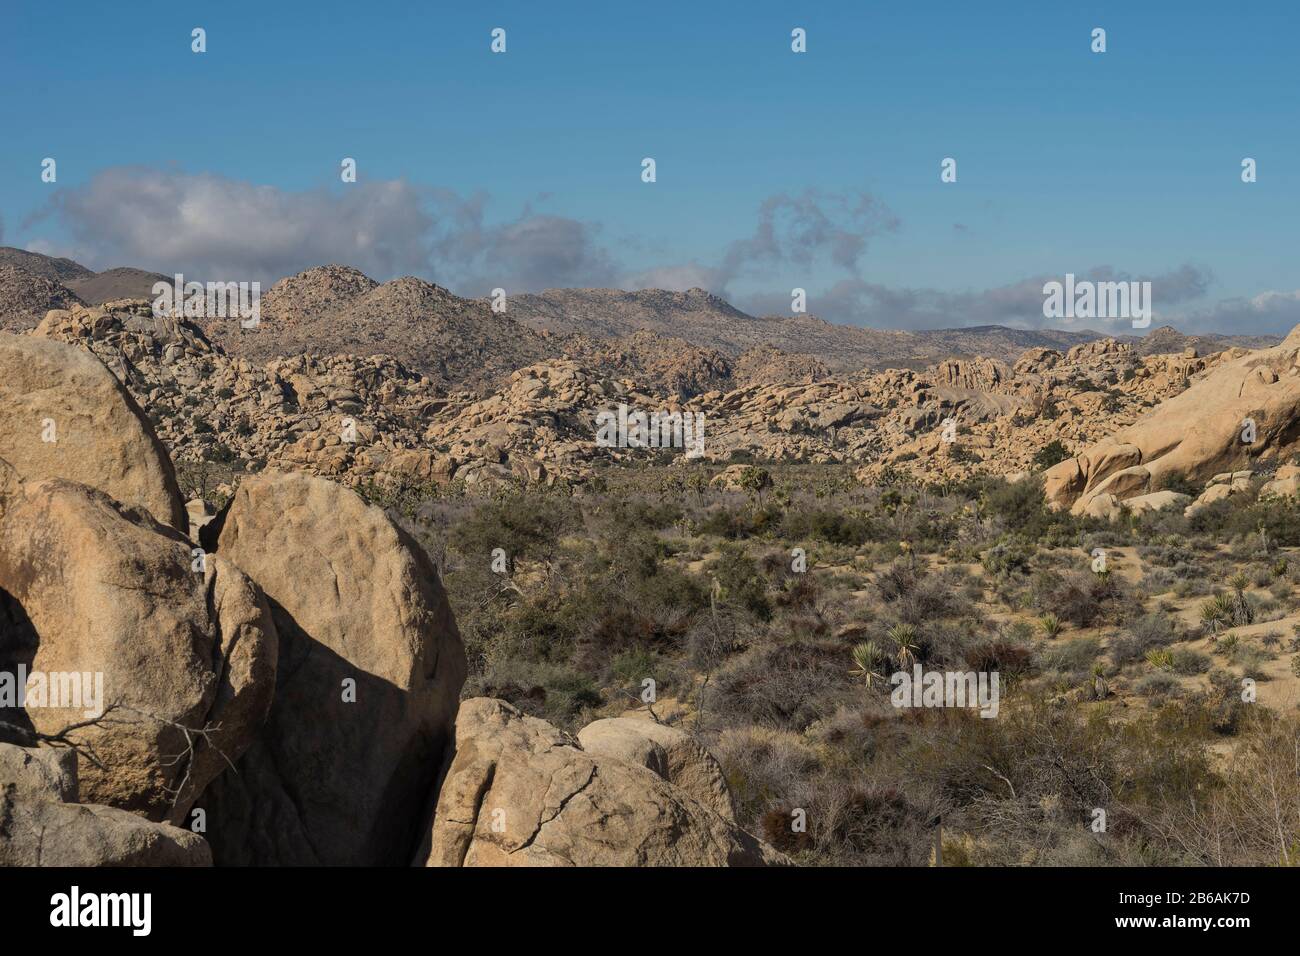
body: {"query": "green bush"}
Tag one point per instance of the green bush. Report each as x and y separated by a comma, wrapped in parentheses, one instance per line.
(1051, 454)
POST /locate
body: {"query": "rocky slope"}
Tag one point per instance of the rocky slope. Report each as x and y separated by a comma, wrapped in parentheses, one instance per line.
(373, 419)
(1242, 412)
(27, 296)
(119, 283)
(333, 310)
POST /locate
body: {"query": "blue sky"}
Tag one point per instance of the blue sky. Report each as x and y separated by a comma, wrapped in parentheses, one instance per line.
(523, 169)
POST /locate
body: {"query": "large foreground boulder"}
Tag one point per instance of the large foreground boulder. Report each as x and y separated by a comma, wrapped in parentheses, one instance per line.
(520, 793)
(671, 753)
(170, 657)
(1244, 410)
(371, 667)
(64, 415)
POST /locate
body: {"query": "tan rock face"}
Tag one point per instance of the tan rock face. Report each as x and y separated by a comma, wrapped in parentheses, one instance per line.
(41, 825)
(1156, 501)
(371, 668)
(92, 589)
(100, 437)
(49, 833)
(1244, 409)
(671, 753)
(44, 773)
(1285, 483)
(520, 793)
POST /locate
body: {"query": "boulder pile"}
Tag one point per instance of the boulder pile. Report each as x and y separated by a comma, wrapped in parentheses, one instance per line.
(1240, 413)
(279, 686)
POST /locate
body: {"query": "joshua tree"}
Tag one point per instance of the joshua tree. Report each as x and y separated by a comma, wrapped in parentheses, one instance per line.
(1241, 611)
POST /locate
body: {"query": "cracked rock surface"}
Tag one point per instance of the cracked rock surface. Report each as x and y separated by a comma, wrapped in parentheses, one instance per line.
(518, 792)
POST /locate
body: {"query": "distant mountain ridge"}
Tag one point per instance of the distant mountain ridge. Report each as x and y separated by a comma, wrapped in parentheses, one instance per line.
(686, 341)
(710, 322)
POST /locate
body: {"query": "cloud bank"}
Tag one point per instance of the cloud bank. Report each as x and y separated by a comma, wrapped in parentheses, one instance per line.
(213, 227)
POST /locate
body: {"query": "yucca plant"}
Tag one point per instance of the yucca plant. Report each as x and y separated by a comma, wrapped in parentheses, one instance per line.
(1050, 625)
(903, 638)
(1160, 659)
(1213, 617)
(1100, 688)
(866, 657)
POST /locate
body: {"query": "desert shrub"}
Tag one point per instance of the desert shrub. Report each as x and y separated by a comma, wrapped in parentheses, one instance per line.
(1178, 482)
(1277, 518)
(836, 527)
(1050, 454)
(1080, 597)
(1251, 660)
(638, 513)
(1187, 661)
(1152, 630)
(1159, 685)
(1158, 581)
(1006, 558)
(740, 581)
(763, 767)
(1225, 706)
(524, 525)
(934, 597)
(869, 824)
(554, 692)
(787, 685)
(1070, 656)
(1009, 658)
(740, 523)
(1019, 504)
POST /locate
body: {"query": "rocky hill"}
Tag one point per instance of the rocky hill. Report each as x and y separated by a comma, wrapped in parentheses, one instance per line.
(51, 267)
(332, 310)
(27, 296)
(119, 283)
(372, 418)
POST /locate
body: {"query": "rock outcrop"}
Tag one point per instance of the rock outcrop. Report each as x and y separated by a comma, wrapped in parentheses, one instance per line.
(64, 415)
(44, 773)
(42, 825)
(174, 651)
(520, 793)
(671, 753)
(46, 833)
(1245, 409)
(371, 666)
